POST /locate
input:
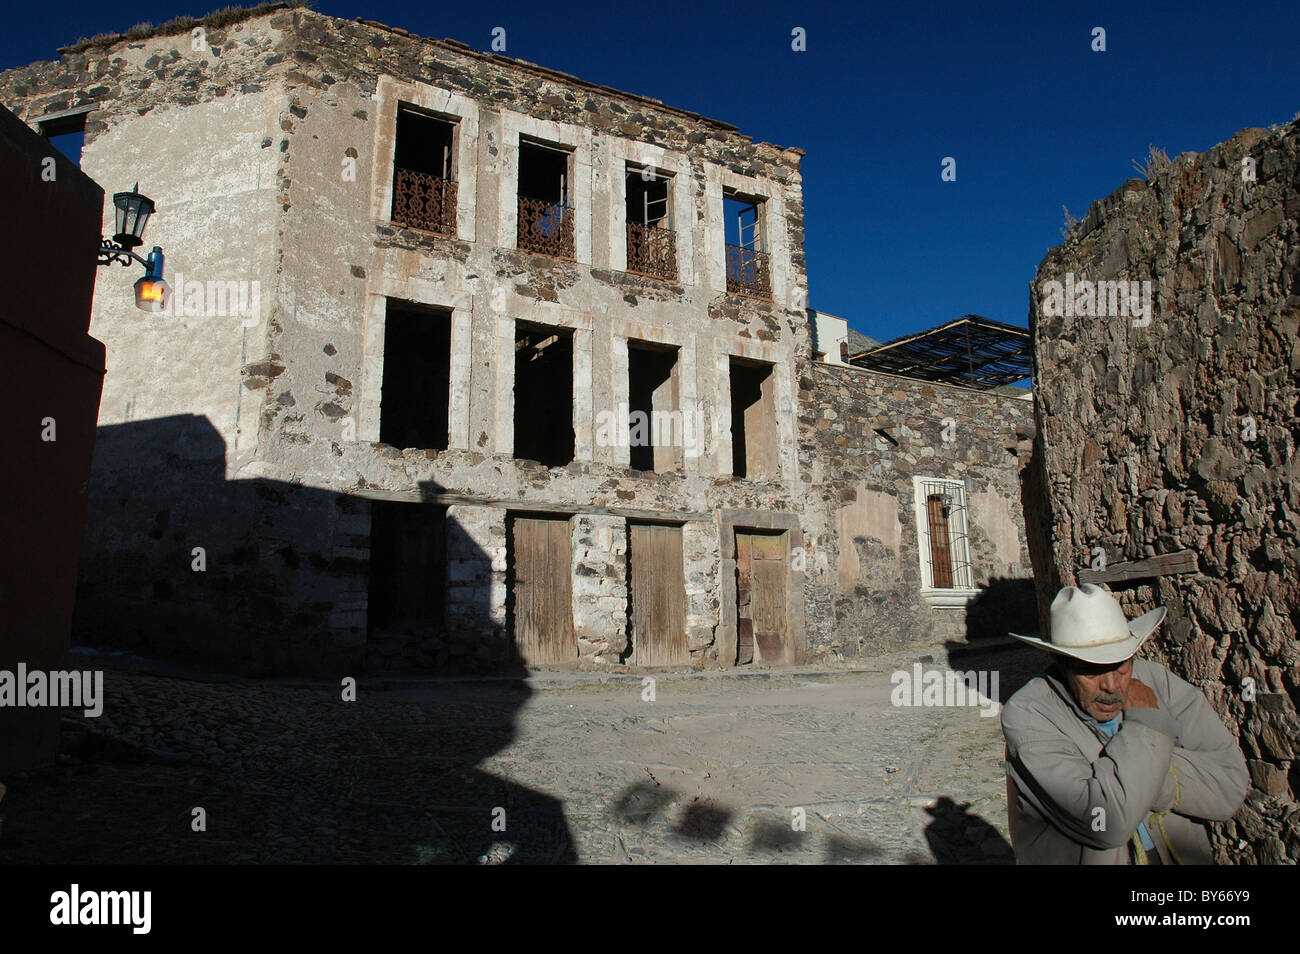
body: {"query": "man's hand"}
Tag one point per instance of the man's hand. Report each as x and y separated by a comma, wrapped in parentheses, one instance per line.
(1139, 696)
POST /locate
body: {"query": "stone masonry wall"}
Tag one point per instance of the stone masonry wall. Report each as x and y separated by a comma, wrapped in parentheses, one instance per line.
(862, 555)
(268, 148)
(1181, 433)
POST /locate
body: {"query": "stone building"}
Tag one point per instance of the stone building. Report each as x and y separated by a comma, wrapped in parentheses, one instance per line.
(469, 360)
(1167, 381)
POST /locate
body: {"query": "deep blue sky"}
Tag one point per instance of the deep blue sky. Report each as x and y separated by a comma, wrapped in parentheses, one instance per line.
(1034, 118)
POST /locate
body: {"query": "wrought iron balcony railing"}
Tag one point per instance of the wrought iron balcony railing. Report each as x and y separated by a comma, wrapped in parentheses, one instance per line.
(652, 251)
(422, 201)
(545, 228)
(747, 273)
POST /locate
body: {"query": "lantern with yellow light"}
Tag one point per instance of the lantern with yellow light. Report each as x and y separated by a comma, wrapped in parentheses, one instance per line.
(132, 215)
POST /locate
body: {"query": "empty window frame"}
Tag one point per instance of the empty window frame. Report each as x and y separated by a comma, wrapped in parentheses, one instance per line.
(66, 133)
(943, 534)
(748, 271)
(656, 430)
(544, 394)
(651, 241)
(416, 391)
(424, 179)
(755, 439)
(408, 567)
(545, 210)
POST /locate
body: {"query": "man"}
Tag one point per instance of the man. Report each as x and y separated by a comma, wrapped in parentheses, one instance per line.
(1113, 760)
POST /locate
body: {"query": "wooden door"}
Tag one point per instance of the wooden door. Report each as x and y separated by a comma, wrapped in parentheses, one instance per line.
(762, 578)
(543, 600)
(658, 596)
(940, 550)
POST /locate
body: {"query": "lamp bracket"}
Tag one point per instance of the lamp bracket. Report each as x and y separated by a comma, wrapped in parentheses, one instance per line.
(110, 252)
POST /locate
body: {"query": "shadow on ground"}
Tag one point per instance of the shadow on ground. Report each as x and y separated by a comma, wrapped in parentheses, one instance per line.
(957, 837)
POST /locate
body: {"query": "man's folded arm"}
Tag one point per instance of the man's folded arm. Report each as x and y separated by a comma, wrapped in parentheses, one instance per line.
(1125, 780)
(1212, 776)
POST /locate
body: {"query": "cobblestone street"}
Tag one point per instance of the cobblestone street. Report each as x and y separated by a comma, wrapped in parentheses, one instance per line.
(712, 770)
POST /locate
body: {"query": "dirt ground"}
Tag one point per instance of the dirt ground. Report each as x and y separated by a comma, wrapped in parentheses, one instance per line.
(749, 766)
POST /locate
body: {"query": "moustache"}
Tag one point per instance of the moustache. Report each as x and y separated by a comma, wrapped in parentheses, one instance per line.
(1109, 699)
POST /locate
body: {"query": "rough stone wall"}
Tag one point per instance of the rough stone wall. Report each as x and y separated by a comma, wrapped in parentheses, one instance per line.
(1181, 434)
(861, 540)
(243, 143)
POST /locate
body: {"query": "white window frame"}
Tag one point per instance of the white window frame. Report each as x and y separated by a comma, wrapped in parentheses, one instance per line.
(452, 107)
(964, 589)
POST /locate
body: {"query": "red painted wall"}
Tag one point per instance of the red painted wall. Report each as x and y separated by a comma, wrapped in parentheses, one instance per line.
(51, 368)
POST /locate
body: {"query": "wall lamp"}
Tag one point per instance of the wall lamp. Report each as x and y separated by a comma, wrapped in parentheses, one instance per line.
(133, 210)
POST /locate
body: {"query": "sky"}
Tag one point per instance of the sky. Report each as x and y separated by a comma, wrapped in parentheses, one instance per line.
(1034, 118)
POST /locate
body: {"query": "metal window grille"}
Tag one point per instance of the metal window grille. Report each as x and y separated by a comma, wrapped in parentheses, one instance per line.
(652, 251)
(422, 201)
(546, 227)
(948, 535)
(748, 270)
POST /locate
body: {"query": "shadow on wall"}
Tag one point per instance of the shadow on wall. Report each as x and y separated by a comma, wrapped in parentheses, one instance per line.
(283, 567)
(260, 576)
(1005, 605)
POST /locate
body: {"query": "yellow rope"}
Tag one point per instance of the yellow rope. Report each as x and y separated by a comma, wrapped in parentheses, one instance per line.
(1139, 853)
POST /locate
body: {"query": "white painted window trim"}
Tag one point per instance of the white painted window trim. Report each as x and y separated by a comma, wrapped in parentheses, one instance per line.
(718, 179)
(419, 292)
(958, 596)
(574, 138)
(623, 151)
(720, 449)
(390, 95)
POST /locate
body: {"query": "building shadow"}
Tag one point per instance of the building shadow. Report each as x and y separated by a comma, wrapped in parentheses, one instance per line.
(1006, 605)
(957, 837)
(187, 569)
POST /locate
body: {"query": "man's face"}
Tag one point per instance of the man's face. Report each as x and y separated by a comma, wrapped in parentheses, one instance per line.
(1100, 689)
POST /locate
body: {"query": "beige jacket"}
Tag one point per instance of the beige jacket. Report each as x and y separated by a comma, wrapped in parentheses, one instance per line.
(1178, 758)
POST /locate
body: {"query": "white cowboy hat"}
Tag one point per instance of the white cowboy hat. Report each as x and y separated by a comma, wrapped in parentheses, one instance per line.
(1088, 624)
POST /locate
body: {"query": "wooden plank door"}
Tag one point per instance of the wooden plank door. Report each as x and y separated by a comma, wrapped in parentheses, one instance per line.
(543, 594)
(762, 582)
(658, 596)
(940, 549)
(744, 601)
(770, 570)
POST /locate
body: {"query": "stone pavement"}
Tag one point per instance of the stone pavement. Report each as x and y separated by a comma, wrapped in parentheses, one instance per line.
(575, 766)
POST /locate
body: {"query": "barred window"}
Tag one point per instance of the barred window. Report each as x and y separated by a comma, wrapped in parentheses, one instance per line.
(424, 181)
(943, 535)
(651, 241)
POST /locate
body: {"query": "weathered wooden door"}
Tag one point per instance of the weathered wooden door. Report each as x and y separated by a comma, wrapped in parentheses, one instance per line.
(762, 577)
(543, 601)
(940, 549)
(657, 595)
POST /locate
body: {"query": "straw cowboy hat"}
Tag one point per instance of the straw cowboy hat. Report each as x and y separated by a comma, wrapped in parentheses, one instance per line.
(1088, 624)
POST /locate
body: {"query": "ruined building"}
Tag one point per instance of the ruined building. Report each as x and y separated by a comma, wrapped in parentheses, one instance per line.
(470, 360)
(1167, 452)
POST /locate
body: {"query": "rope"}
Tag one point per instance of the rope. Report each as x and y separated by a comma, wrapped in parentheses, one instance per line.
(1139, 853)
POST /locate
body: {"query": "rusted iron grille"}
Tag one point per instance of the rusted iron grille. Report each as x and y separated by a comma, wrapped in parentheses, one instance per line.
(545, 228)
(652, 251)
(747, 273)
(422, 201)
